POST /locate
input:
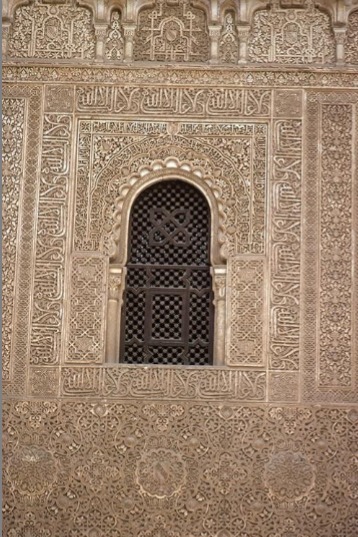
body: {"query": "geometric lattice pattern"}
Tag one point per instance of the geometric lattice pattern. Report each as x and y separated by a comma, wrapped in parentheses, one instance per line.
(170, 225)
(87, 308)
(164, 309)
(246, 301)
(167, 311)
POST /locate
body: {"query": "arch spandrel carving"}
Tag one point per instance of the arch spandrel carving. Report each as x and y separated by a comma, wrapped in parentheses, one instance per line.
(241, 185)
(161, 171)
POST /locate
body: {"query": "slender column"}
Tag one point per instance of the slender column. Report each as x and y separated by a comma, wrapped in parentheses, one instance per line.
(115, 295)
(243, 34)
(129, 32)
(214, 33)
(340, 36)
(101, 33)
(219, 287)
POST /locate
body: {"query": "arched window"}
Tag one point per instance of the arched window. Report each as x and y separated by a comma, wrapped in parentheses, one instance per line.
(168, 313)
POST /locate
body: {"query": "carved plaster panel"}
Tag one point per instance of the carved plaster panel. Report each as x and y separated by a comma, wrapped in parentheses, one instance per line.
(160, 468)
(56, 30)
(172, 31)
(329, 346)
(229, 41)
(19, 312)
(351, 48)
(13, 136)
(48, 294)
(246, 312)
(164, 382)
(175, 451)
(87, 308)
(291, 36)
(114, 43)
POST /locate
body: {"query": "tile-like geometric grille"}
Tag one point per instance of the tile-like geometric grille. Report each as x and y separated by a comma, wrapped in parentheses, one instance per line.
(167, 315)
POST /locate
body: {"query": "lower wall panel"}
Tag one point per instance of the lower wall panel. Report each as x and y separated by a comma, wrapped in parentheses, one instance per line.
(174, 469)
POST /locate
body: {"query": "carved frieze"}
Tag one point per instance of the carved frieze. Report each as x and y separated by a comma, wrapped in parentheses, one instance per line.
(164, 75)
(173, 101)
(149, 383)
(285, 244)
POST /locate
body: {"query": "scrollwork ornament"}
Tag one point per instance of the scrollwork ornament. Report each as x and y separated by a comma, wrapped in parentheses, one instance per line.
(291, 36)
(229, 43)
(52, 30)
(351, 53)
(114, 44)
(172, 31)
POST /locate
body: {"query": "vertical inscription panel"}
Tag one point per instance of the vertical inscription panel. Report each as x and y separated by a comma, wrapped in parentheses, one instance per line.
(245, 312)
(285, 243)
(47, 309)
(88, 302)
(329, 347)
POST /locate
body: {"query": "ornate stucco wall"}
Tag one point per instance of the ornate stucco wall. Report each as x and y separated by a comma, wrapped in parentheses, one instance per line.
(257, 104)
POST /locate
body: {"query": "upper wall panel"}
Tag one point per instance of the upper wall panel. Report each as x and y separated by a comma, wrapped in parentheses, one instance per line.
(291, 36)
(47, 30)
(176, 31)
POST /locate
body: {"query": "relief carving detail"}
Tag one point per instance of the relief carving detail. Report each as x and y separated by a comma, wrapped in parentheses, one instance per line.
(13, 125)
(173, 469)
(291, 36)
(351, 49)
(57, 30)
(173, 32)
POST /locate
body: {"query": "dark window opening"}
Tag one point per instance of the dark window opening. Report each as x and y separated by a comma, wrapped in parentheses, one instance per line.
(168, 313)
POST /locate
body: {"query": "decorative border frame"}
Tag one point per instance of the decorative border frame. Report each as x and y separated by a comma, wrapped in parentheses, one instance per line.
(311, 391)
(236, 76)
(27, 223)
